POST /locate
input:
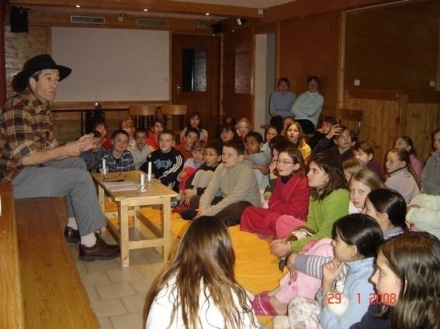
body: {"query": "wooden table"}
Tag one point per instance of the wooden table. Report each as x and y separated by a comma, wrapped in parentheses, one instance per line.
(129, 203)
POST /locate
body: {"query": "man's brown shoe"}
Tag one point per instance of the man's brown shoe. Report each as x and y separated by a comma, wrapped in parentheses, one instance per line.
(100, 250)
(72, 235)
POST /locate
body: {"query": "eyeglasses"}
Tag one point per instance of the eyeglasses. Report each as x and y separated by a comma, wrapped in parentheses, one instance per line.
(283, 162)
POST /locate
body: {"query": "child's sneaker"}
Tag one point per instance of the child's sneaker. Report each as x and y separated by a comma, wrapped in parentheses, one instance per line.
(175, 203)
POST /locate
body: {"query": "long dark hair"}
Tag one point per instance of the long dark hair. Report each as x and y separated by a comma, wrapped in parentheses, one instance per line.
(204, 262)
(390, 202)
(361, 231)
(333, 167)
(414, 258)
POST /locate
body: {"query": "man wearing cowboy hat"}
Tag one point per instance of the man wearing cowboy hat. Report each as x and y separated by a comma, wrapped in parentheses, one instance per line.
(37, 166)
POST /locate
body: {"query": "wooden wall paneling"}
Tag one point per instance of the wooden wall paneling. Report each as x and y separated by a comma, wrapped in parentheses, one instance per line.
(392, 50)
(296, 9)
(437, 83)
(67, 124)
(309, 46)
(237, 62)
(420, 120)
(341, 61)
(381, 122)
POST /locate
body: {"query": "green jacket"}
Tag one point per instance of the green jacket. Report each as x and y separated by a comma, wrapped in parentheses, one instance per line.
(322, 215)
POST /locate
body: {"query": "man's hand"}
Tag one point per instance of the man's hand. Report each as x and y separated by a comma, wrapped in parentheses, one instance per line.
(75, 148)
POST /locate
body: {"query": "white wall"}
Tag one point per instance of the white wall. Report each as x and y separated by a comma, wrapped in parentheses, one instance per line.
(264, 78)
(112, 64)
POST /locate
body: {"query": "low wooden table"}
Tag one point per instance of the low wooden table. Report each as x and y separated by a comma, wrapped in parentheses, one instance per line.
(129, 203)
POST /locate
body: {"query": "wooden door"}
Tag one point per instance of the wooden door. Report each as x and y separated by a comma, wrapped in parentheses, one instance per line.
(195, 77)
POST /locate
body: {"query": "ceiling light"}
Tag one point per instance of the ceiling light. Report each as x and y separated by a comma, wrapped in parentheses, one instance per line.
(78, 6)
(241, 21)
(207, 14)
(145, 9)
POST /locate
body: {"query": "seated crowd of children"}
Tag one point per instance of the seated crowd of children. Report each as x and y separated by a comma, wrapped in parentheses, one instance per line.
(324, 202)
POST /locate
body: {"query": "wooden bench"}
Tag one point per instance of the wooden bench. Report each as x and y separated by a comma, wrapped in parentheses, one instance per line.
(52, 293)
(11, 303)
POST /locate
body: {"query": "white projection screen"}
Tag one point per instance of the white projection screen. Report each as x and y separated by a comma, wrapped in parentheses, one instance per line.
(112, 64)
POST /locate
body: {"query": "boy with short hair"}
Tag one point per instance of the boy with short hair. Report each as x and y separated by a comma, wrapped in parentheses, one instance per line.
(141, 149)
(93, 157)
(118, 158)
(192, 135)
(344, 140)
(320, 133)
(166, 161)
(236, 183)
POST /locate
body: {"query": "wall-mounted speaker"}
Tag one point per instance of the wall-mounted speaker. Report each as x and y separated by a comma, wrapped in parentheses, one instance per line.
(19, 20)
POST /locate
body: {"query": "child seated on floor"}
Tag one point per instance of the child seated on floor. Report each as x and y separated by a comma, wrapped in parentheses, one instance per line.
(294, 134)
(405, 142)
(364, 151)
(278, 143)
(227, 132)
(194, 120)
(153, 134)
(118, 158)
(431, 171)
(191, 136)
(197, 182)
(343, 138)
(351, 167)
(166, 161)
(258, 159)
(102, 128)
(236, 183)
(321, 132)
(127, 124)
(93, 157)
(402, 176)
(243, 127)
(141, 149)
(189, 167)
(271, 132)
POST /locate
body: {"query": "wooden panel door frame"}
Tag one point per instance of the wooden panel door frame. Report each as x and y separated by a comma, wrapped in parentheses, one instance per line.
(207, 102)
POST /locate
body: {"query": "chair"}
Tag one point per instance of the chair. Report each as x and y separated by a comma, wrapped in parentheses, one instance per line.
(144, 114)
(171, 112)
(347, 116)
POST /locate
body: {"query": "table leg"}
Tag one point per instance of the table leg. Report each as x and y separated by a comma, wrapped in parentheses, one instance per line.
(101, 198)
(124, 241)
(136, 221)
(166, 213)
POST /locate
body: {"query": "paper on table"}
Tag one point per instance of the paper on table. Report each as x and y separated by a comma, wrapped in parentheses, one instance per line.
(120, 186)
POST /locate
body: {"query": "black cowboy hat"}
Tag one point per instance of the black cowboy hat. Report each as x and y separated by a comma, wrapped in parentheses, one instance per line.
(35, 64)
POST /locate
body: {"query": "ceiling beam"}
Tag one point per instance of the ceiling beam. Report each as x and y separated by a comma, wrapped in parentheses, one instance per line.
(153, 6)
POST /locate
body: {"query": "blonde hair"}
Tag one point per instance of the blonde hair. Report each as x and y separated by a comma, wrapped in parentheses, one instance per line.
(368, 178)
(353, 166)
(301, 140)
(126, 123)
